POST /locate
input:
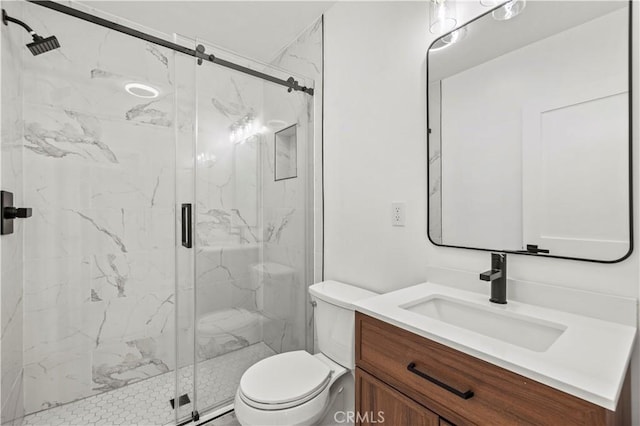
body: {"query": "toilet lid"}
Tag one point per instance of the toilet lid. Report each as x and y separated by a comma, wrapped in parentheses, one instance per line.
(285, 378)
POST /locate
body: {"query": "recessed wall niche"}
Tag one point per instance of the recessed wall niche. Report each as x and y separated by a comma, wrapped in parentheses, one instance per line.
(286, 153)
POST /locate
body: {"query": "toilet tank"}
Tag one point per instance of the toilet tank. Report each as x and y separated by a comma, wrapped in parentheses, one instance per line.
(335, 319)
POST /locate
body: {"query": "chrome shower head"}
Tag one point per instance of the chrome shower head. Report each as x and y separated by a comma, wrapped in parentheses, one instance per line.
(40, 44)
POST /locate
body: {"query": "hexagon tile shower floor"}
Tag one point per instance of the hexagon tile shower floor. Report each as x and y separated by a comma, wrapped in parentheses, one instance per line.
(147, 402)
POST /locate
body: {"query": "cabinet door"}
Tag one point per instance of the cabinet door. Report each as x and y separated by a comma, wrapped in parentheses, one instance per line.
(378, 403)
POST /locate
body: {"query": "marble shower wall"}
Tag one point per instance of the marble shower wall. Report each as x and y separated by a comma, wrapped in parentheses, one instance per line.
(100, 248)
(225, 287)
(227, 220)
(292, 208)
(100, 167)
(227, 212)
(11, 281)
(252, 260)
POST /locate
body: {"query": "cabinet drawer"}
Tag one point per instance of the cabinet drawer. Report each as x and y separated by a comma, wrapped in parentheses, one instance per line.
(440, 377)
(378, 403)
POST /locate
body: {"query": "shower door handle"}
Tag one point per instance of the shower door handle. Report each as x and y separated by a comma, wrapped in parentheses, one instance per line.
(187, 226)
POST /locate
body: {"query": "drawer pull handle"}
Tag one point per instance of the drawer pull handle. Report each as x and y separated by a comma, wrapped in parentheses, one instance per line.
(464, 395)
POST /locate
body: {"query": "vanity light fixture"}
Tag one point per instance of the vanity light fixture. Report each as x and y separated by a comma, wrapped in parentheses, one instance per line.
(442, 16)
(509, 10)
(141, 90)
(206, 159)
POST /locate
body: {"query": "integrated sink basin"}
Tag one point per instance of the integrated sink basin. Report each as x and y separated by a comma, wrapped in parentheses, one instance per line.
(583, 356)
(520, 330)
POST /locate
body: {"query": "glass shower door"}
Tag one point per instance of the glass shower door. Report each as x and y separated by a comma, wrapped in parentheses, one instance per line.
(94, 263)
(252, 251)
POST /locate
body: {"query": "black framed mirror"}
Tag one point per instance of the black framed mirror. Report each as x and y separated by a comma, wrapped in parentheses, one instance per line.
(529, 132)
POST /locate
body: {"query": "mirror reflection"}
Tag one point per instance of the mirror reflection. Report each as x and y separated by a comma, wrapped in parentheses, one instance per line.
(527, 117)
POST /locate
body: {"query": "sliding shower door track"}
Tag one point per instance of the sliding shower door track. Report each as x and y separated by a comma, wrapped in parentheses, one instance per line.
(206, 417)
(291, 84)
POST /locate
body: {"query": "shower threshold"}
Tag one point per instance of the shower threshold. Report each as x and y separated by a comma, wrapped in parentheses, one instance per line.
(147, 402)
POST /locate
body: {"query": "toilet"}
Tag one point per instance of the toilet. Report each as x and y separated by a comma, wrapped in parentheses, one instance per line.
(297, 388)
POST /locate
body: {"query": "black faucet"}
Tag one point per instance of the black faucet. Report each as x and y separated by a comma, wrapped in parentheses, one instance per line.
(498, 277)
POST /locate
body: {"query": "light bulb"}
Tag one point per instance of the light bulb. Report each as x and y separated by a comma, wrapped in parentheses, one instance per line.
(442, 16)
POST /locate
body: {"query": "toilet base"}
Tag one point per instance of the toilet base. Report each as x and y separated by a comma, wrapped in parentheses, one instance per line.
(307, 413)
(329, 409)
(343, 403)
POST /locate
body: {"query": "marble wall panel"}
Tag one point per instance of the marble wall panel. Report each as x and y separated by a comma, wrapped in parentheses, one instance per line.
(227, 179)
(87, 74)
(101, 172)
(305, 56)
(100, 176)
(293, 212)
(11, 246)
(292, 228)
(227, 283)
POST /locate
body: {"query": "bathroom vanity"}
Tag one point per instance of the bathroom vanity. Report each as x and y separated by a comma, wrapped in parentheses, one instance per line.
(416, 367)
(520, 113)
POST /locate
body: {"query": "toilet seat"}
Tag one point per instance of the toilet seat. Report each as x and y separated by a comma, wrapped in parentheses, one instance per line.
(283, 381)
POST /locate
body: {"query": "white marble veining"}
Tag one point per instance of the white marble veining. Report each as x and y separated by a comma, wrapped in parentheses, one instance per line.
(99, 174)
(227, 330)
(589, 359)
(87, 74)
(305, 56)
(103, 171)
(11, 246)
(146, 402)
(227, 185)
(244, 220)
(287, 211)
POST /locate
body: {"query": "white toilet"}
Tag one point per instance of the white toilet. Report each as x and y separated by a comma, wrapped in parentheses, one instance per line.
(297, 388)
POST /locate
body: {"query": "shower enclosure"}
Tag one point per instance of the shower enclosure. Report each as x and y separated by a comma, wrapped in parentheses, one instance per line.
(163, 257)
(242, 287)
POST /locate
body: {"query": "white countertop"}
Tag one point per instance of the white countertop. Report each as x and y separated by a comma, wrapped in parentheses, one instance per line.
(589, 360)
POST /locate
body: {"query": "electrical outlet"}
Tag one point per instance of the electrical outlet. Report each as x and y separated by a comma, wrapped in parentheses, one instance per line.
(397, 214)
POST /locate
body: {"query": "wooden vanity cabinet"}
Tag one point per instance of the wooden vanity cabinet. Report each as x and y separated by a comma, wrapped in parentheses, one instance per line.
(446, 387)
(382, 404)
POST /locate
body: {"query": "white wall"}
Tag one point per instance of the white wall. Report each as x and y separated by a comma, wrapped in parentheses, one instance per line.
(376, 148)
(375, 153)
